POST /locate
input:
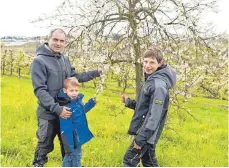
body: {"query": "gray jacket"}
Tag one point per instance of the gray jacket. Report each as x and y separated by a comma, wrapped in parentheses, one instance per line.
(48, 73)
(152, 106)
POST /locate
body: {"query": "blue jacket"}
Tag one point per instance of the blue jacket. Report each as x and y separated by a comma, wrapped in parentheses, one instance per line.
(77, 123)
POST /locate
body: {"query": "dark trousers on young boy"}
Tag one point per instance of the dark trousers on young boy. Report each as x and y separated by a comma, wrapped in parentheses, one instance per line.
(146, 155)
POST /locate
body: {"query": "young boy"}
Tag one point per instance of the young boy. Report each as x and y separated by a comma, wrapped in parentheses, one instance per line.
(74, 130)
(150, 110)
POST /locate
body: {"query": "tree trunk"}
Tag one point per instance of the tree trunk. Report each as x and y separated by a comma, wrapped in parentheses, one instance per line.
(138, 71)
(11, 62)
(125, 83)
(119, 82)
(19, 72)
(3, 63)
(3, 68)
(11, 69)
(136, 47)
(138, 67)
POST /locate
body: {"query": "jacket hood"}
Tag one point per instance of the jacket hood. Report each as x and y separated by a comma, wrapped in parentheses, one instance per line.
(63, 99)
(44, 50)
(166, 73)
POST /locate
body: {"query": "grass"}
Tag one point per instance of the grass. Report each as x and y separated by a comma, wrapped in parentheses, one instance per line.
(185, 141)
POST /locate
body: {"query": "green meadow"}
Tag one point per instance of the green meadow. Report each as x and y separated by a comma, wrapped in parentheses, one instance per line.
(201, 140)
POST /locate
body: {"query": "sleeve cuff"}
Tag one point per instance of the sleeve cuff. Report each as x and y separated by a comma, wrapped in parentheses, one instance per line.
(127, 102)
(98, 73)
(91, 102)
(131, 133)
(140, 141)
(59, 110)
(143, 136)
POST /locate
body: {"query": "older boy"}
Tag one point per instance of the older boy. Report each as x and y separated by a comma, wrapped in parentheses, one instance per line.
(150, 110)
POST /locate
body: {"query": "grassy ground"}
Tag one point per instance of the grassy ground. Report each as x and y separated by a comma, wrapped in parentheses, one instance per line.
(185, 141)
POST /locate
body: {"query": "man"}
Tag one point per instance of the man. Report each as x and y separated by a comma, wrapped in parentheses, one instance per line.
(49, 69)
(150, 110)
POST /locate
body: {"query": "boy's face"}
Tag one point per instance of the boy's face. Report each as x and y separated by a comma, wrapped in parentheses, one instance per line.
(72, 91)
(150, 65)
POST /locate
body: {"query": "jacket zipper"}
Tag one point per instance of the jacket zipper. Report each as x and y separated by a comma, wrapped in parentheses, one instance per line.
(62, 79)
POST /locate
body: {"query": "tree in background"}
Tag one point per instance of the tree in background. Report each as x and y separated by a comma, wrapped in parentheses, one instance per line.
(176, 26)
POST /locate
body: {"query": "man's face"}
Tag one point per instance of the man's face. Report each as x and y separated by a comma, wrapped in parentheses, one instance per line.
(57, 42)
(72, 91)
(150, 65)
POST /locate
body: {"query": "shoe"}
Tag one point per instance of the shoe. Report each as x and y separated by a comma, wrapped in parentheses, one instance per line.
(38, 165)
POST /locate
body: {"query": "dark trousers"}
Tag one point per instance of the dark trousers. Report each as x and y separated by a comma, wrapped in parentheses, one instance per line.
(47, 131)
(146, 155)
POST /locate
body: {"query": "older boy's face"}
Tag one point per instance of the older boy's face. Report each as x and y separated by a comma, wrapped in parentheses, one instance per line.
(72, 91)
(150, 65)
(57, 42)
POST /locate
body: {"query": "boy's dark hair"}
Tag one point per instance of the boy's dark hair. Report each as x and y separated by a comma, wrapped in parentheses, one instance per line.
(154, 52)
(72, 81)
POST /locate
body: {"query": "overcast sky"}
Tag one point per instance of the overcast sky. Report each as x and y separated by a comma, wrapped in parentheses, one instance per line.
(15, 16)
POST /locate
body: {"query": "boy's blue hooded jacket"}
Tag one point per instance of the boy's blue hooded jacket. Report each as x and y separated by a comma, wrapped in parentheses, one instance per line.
(74, 130)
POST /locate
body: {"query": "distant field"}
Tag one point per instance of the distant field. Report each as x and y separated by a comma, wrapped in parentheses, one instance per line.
(28, 48)
(185, 142)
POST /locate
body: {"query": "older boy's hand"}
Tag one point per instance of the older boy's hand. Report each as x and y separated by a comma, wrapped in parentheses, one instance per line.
(65, 114)
(124, 98)
(136, 146)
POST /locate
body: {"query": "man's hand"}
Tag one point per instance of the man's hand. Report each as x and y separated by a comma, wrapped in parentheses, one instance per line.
(136, 146)
(100, 71)
(124, 98)
(65, 114)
